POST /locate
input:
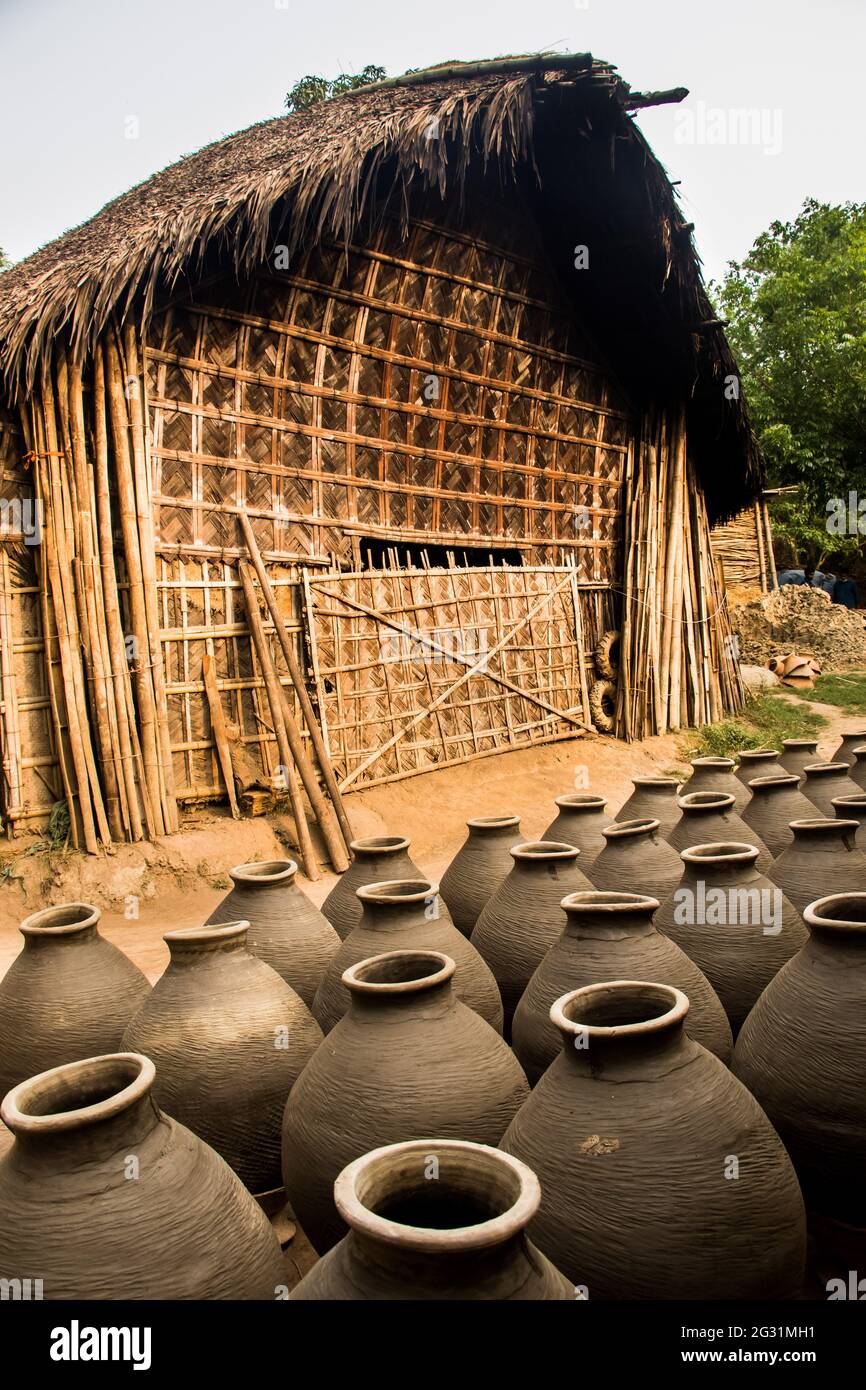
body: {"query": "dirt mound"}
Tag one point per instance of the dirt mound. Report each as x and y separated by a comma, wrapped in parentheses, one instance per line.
(797, 618)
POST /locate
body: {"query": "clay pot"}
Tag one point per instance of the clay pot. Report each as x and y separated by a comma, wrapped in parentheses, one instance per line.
(711, 818)
(636, 859)
(69, 994)
(407, 1059)
(717, 775)
(461, 1235)
(733, 922)
(478, 868)
(823, 782)
(844, 750)
(610, 936)
(229, 1038)
(407, 916)
(524, 918)
(634, 1131)
(105, 1197)
(853, 808)
(758, 762)
(797, 754)
(286, 931)
(653, 798)
(377, 860)
(776, 801)
(823, 858)
(857, 769)
(580, 822)
(802, 1052)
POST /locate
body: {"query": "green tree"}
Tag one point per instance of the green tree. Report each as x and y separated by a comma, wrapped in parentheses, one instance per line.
(311, 89)
(4, 259)
(796, 308)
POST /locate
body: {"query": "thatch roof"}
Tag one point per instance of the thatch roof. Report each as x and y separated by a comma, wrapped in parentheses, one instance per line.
(563, 120)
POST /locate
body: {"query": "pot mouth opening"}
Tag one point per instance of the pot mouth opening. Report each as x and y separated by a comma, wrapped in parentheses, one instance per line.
(747, 755)
(544, 849)
(493, 823)
(766, 784)
(580, 801)
(658, 784)
(213, 934)
(801, 742)
(856, 800)
(78, 1093)
(269, 871)
(825, 825)
(593, 901)
(380, 844)
(64, 920)
(726, 851)
(399, 972)
(720, 764)
(394, 891)
(624, 829)
(857, 733)
(619, 1008)
(707, 801)
(437, 1195)
(825, 769)
(839, 912)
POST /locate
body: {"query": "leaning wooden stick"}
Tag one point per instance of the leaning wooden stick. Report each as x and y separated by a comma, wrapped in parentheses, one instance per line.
(298, 682)
(272, 685)
(220, 734)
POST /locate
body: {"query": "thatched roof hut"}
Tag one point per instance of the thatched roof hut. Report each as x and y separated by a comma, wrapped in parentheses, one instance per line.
(458, 313)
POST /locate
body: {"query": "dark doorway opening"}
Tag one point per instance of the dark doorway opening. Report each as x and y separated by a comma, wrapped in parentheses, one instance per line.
(381, 554)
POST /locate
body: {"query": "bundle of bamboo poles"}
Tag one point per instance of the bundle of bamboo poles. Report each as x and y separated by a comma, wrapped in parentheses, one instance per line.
(678, 663)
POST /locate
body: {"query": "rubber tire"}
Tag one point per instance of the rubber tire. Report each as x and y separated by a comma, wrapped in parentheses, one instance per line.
(602, 694)
(607, 653)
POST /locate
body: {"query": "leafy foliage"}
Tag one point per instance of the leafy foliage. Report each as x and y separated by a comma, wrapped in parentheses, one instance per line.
(312, 89)
(4, 259)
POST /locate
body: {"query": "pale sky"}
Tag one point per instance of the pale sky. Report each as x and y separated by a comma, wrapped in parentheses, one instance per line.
(78, 77)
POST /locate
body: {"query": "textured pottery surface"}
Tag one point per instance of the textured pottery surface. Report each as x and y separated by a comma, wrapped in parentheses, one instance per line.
(229, 1038)
(733, 922)
(184, 1227)
(717, 775)
(636, 859)
(824, 782)
(524, 918)
(69, 994)
(629, 1131)
(857, 769)
(375, 860)
(797, 754)
(758, 762)
(853, 808)
(823, 859)
(478, 868)
(286, 931)
(775, 802)
(844, 750)
(711, 818)
(580, 821)
(403, 916)
(653, 798)
(611, 936)
(462, 1236)
(802, 1052)
(407, 1059)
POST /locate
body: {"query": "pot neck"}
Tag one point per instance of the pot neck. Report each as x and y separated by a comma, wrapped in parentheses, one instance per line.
(850, 807)
(620, 1026)
(732, 861)
(626, 835)
(191, 946)
(706, 768)
(769, 787)
(823, 835)
(825, 772)
(400, 981)
(393, 903)
(69, 924)
(544, 858)
(837, 923)
(580, 804)
(696, 806)
(665, 788)
(757, 757)
(486, 828)
(609, 916)
(274, 876)
(371, 854)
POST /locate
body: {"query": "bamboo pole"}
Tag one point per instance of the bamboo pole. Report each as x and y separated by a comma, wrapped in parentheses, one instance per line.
(273, 689)
(11, 740)
(220, 734)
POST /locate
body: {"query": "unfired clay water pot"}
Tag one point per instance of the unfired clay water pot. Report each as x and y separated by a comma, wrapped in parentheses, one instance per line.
(823, 859)
(104, 1197)
(456, 1232)
(403, 916)
(717, 775)
(478, 868)
(823, 782)
(802, 1052)
(524, 918)
(286, 931)
(776, 801)
(735, 924)
(797, 754)
(407, 1059)
(610, 936)
(580, 821)
(634, 1131)
(844, 750)
(229, 1038)
(69, 994)
(853, 808)
(857, 769)
(758, 762)
(711, 817)
(373, 861)
(636, 859)
(653, 798)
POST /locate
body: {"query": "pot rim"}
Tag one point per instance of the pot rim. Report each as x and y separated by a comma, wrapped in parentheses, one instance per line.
(624, 829)
(443, 967)
(826, 768)
(215, 932)
(580, 801)
(744, 754)
(265, 871)
(350, 1198)
(707, 801)
(765, 783)
(379, 844)
(493, 822)
(849, 799)
(388, 891)
(855, 733)
(21, 1121)
(39, 924)
(609, 903)
(543, 851)
(714, 760)
(824, 824)
(813, 915)
(668, 783)
(859, 752)
(675, 1013)
(801, 742)
(725, 851)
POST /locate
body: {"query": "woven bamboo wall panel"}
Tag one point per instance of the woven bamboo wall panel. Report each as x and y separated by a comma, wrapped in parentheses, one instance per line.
(430, 387)
(744, 547)
(392, 650)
